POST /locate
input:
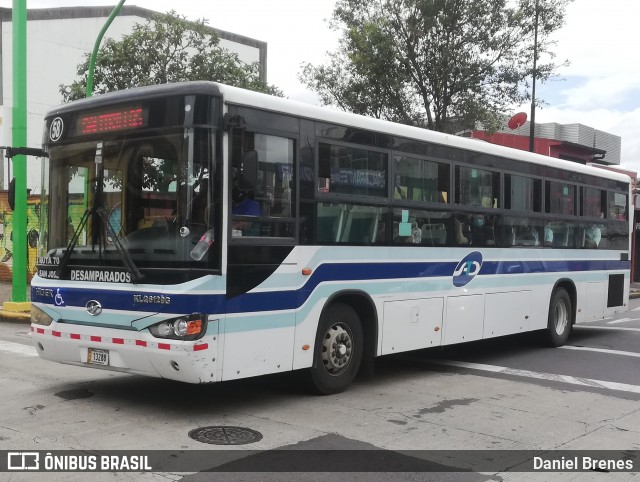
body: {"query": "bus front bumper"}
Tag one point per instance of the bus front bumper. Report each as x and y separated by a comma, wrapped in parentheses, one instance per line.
(127, 351)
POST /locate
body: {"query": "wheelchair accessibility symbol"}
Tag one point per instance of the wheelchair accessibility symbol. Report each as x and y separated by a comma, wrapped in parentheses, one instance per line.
(467, 269)
(57, 300)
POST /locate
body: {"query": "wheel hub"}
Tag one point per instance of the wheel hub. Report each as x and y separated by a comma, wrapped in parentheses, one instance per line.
(336, 349)
(561, 318)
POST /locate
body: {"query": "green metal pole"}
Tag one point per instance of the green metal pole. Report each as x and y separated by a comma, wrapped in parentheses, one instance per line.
(19, 122)
(96, 47)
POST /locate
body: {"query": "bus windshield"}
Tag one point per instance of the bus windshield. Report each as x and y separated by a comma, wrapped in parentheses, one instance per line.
(146, 198)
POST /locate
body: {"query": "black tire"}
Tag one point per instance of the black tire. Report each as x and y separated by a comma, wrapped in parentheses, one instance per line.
(560, 318)
(338, 350)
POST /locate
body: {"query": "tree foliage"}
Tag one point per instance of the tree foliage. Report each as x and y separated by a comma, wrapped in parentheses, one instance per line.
(167, 48)
(436, 63)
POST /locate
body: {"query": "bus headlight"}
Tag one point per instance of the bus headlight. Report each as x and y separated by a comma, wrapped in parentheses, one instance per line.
(39, 317)
(191, 327)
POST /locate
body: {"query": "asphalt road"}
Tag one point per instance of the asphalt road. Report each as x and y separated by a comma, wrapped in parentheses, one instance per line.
(500, 395)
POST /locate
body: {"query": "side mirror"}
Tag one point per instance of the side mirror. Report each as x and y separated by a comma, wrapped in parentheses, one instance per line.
(12, 194)
(20, 151)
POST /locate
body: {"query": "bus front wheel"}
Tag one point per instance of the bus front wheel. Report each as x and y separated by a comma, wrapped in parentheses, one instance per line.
(338, 350)
(560, 318)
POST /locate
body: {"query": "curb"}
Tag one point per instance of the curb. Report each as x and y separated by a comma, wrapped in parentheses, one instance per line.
(15, 316)
(20, 306)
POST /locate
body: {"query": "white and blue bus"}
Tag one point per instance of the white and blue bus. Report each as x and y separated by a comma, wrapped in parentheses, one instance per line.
(204, 233)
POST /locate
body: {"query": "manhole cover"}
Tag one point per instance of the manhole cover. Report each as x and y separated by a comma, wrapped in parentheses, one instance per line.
(225, 435)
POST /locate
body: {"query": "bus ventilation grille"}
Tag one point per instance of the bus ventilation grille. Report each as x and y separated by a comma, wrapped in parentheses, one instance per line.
(225, 435)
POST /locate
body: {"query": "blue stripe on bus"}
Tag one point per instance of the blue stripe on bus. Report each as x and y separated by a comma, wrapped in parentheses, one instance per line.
(513, 267)
(293, 299)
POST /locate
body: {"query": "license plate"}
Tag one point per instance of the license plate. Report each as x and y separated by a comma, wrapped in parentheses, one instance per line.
(98, 357)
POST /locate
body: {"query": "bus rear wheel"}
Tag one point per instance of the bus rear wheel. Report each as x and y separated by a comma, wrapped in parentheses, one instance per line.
(338, 350)
(560, 318)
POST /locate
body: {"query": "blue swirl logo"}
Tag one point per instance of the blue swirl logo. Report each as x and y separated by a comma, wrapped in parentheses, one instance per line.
(467, 269)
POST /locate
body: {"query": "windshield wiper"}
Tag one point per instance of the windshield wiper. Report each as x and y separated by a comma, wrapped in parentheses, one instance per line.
(136, 275)
(72, 244)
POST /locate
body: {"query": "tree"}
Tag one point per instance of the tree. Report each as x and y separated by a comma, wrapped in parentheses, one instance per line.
(166, 49)
(436, 63)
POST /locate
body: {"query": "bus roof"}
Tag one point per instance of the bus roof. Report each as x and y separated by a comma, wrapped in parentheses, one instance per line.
(235, 95)
(239, 96)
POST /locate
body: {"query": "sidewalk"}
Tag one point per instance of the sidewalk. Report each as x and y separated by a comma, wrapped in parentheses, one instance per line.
(14, 312)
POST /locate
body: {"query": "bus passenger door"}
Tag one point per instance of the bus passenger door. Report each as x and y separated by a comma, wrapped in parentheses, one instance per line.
(260, 322)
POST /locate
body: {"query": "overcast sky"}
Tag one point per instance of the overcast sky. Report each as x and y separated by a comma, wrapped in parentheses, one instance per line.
(601, 87)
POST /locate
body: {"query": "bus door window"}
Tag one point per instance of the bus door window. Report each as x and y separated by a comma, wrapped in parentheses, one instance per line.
(262, 185)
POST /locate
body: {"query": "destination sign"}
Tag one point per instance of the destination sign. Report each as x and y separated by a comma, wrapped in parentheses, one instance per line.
(97, 122)
(102, 276)
(50, 271)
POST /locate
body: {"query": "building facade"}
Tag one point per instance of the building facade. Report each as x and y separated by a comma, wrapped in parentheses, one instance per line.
(572, 142)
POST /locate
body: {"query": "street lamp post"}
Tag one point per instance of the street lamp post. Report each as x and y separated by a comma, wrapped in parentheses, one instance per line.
(532, 124)
(96, 47)
(19, 139)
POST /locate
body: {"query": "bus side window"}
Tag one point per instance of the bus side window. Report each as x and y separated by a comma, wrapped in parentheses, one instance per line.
(461, 231)
(592, 236)
(434, 234)
(329, 222)
(360, 225)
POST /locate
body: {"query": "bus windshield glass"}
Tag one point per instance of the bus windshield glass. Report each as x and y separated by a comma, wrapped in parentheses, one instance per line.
(145, 198)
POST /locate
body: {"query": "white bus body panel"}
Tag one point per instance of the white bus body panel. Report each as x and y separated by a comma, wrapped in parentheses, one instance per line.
(506, 313)
(411, 324)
